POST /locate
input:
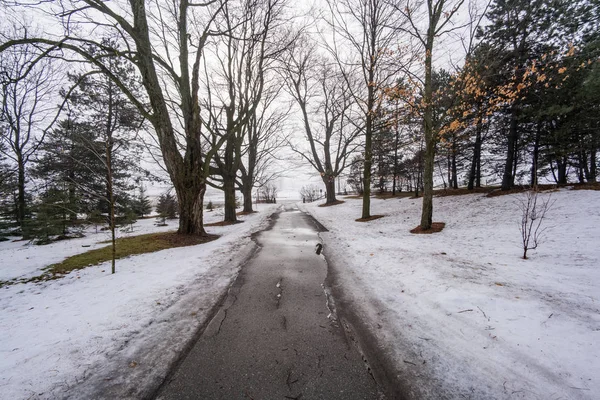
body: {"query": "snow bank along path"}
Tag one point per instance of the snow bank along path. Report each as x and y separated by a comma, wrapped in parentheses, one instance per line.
(459, 313)
(92, 334)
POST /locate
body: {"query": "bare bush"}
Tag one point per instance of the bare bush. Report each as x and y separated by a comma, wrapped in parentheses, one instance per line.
(533, 212)
(310, 193)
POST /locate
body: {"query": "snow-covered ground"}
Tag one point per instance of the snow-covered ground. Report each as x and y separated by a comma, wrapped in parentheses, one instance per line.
(91, 330)
(462, 315)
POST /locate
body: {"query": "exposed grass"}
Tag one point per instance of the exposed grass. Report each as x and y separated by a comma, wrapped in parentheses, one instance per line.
(127, 246)
(435, 227)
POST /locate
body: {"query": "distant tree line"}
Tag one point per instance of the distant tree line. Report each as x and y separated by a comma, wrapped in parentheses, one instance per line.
(216, 106)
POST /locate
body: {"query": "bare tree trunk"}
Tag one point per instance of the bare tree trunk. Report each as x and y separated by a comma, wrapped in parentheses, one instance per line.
(536, 155)
(583, 166)
(229, 191)
(329, 189)
(474, 174)
(508, 179)
(454, 171)
(21, 203)
(111, 203)
(561, 164)
(247, 194)
(190, 200)
(427, 211)
(593, 173)
(366, 200)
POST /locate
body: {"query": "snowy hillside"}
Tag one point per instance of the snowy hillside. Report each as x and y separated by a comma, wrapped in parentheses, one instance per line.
(460, 313)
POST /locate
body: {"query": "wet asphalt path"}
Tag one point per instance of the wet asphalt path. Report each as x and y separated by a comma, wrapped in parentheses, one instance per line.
(273, 337)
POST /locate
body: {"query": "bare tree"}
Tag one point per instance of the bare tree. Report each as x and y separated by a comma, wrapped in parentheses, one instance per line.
(264, 135)
(268, 192)
(533, 212)
(310, 193)
(27, 111)
(438, 16)
(365, 44)
(165, 42)
(325, 100)
(235, 92)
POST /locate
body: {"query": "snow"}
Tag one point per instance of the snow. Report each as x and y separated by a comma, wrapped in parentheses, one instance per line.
(93, 332)
(459, 312)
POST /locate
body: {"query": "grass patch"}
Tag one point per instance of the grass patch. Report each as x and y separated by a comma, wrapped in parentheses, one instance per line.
(435, 228)
(371, 218)
(335, 203)
(126, 247)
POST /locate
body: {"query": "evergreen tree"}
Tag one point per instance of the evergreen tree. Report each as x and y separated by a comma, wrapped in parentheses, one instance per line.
(51, 216)
(167, 206)
(522, 35)
(142, 204)
(355, 176)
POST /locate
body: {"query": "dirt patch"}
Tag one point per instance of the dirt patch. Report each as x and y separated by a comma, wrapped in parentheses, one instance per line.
(335, 203)
(224, 223)
(246, 212)
(435, 228)
(371, 218)
(389, 195)
(587, 186)
(176, 240)
(520, 189)
(463, 191)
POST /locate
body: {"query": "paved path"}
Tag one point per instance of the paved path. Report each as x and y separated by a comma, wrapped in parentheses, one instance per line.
(272, 338)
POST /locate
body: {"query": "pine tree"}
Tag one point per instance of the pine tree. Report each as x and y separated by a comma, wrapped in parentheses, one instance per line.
(167, 206)
(142, 204)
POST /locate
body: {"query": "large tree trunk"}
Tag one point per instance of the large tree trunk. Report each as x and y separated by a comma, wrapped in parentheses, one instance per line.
(366, 200)
(247, 194)
(561, 164)
(329, 182)
(508, 179)
(427, 211)
(190, 200)
(229, 191)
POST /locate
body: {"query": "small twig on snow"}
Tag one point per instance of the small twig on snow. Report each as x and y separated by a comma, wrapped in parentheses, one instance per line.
(486, 317)
(470, 309)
